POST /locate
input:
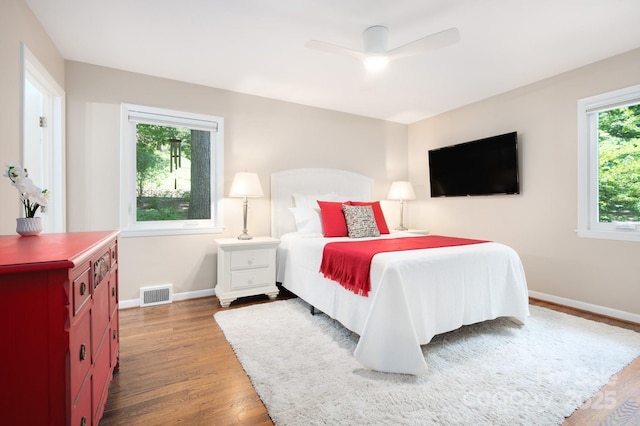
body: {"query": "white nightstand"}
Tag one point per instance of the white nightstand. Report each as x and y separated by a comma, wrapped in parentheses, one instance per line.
(246, 268)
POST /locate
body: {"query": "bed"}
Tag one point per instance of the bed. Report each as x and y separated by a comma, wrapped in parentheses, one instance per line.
(414, 295)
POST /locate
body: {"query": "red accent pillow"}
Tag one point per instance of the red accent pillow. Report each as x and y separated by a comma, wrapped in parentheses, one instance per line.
(377, 213)
(333, 221)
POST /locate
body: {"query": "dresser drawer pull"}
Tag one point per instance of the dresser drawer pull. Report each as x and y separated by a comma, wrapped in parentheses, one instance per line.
(83, 352)
(83, 289)
(113, 292)
(115, 334)
(83, 421)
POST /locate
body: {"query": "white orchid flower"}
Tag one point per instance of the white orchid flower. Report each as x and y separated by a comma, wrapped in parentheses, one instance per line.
(43, 199)
(31, 196)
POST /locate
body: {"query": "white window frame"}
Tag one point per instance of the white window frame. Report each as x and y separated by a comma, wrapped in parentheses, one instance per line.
(588, 108)
(130, 116)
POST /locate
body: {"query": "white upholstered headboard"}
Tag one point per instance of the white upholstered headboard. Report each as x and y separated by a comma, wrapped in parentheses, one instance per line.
(351, 185)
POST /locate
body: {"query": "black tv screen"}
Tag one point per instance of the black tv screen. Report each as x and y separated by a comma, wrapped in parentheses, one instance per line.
(481, 167)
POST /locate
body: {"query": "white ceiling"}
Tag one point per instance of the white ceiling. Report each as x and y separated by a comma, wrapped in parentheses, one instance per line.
(257, 46)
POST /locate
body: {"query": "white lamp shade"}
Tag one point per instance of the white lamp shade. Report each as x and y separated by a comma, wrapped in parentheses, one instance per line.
(401, 190)
(246, 184)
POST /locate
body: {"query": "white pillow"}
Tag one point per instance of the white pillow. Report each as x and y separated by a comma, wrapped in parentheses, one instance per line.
(308, 221)
(311, 201)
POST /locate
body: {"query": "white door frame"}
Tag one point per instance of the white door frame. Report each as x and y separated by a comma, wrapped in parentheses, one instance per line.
(43, 147)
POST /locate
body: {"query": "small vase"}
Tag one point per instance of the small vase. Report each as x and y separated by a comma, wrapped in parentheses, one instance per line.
(29, 226)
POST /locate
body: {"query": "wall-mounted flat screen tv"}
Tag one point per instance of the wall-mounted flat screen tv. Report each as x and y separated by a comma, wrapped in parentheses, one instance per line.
(481, 167)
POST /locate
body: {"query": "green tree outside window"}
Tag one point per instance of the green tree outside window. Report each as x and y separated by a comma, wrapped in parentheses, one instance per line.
(619, 164)
(172, 173)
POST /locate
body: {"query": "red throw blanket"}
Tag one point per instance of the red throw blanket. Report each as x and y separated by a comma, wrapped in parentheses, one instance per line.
(349, 262)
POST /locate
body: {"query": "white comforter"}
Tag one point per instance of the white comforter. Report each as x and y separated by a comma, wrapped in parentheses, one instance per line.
(414, 295)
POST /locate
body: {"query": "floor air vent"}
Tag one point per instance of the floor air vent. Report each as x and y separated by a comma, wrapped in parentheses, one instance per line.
(150, 296)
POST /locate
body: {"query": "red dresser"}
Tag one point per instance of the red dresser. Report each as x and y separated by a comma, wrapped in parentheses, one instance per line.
(59, 307)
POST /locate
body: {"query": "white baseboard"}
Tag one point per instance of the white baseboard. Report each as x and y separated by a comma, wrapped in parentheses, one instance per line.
(134, 303)
(597, 309)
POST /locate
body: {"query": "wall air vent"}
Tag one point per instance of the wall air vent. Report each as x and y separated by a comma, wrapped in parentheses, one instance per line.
(159, 295)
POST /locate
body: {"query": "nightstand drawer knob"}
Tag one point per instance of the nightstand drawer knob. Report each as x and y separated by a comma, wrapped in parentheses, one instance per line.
(83, 352)
(251, 260)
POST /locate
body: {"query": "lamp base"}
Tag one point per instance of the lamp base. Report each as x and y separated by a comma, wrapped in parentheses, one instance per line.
(244, 236)
(401, 228)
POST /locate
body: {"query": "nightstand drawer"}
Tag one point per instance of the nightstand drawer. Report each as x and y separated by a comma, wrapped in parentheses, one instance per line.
(251, 259)
(252, 278)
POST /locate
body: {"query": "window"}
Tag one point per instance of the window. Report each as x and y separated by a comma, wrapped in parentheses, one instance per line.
(171, 172)
(609, 165)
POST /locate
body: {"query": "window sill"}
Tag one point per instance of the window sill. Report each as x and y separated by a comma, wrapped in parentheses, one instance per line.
(161, 232)
(609, 235)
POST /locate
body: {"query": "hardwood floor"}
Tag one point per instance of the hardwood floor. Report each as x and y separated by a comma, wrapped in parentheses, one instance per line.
(177, 367)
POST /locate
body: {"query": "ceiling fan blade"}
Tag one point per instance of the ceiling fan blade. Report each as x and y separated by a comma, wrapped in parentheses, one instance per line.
(430, 42)
(332, 48)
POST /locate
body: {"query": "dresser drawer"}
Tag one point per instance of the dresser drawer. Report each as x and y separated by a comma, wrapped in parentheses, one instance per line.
(81, 290)
(101, 378)
(113, 291)
(251, 258)
(81, 410)
(100, 314)
(79, 352)
(252, 278)
(114, 254)
(114, 340)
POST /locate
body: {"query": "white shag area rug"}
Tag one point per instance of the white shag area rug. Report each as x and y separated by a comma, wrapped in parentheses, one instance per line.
(492, 373)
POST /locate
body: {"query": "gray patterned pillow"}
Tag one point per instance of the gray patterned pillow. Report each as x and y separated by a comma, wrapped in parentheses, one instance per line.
(360, 221)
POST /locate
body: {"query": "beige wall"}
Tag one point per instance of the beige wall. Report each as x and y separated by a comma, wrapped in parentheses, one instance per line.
(18, 25)
(261, 135)
(539, 223)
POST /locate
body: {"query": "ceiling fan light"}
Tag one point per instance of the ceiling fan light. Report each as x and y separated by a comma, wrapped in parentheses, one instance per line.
(375, 62)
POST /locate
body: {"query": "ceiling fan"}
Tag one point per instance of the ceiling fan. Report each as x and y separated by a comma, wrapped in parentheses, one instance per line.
(376, 56)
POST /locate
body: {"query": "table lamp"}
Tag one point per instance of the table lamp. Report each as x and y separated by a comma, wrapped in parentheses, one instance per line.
(402, 191)
(245, 185)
